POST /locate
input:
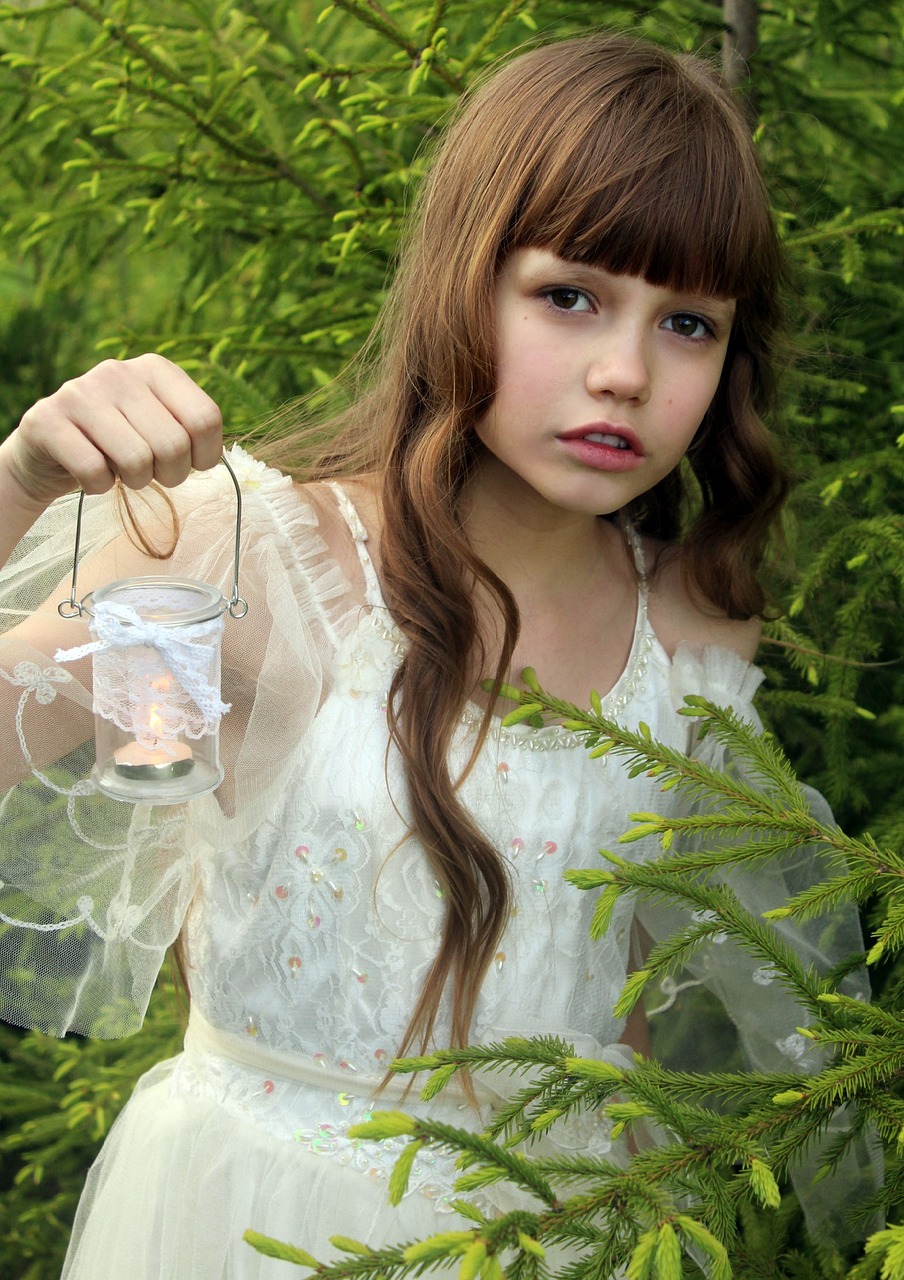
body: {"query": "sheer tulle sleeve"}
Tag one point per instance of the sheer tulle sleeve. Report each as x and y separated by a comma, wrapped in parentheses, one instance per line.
(728, 1009)
(93, 890)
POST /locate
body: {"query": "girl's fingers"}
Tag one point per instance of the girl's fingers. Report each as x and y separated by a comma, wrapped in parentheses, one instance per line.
(138, 420)
(139, 436)
(50, 455)
(191, 407)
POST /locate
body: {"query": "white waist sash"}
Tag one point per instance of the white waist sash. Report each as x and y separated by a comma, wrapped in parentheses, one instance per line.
(202, 1037)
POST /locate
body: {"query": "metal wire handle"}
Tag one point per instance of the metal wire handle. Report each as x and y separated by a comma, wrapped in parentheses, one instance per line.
(237, 607)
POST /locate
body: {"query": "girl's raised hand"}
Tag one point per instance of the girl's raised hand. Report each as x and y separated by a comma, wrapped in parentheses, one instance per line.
(136, 420)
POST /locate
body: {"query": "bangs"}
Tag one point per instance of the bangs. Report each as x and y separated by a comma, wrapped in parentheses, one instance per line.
(650, 180)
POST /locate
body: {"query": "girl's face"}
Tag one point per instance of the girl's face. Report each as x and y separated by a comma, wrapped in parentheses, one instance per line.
(602, 382)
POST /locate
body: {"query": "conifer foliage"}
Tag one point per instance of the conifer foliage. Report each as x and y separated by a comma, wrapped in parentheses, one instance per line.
(226, 183)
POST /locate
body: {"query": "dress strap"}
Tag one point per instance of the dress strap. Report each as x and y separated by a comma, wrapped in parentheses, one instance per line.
(640, 560)
(372, 591)
(641, 624)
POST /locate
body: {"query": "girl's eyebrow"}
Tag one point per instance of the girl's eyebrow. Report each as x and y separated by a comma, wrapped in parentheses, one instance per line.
(720, 309)
(715, 301)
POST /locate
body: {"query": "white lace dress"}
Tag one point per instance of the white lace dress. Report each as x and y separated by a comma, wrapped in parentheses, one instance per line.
(309, 920)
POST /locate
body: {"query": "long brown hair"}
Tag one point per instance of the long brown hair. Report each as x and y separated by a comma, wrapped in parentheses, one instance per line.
(607, 151)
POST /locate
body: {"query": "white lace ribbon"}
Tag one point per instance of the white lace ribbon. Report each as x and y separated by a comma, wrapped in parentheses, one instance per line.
(118, 626)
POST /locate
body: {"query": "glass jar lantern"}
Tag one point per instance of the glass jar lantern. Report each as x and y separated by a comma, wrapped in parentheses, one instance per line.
(155, 646)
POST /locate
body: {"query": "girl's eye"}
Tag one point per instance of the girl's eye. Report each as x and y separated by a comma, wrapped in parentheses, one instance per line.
(565, 299)
(687, 325)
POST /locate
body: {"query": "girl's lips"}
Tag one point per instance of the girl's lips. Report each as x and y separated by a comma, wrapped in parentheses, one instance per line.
(598, 429)
(604, 447)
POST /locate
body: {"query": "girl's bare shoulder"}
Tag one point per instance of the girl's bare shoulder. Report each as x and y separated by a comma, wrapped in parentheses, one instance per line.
(679, 615)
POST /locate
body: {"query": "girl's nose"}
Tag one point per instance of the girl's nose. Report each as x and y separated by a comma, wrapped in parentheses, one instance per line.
(620, 367)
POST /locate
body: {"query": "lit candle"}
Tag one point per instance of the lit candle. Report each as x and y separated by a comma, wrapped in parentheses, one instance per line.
(153, 759)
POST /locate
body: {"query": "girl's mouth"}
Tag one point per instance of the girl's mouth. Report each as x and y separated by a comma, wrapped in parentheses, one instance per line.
(612, 449)
(605, 433)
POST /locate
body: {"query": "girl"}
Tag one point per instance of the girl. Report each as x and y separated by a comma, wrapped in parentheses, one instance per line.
(578, 342)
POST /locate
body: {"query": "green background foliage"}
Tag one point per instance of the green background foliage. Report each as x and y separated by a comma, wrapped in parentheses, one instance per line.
(226, 183)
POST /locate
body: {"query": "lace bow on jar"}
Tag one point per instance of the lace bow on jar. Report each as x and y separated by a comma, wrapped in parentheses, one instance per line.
(156, 679)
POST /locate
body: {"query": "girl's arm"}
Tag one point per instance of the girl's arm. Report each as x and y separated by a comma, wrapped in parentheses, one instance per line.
(133, 420)
(636, 1034)
(124, 874)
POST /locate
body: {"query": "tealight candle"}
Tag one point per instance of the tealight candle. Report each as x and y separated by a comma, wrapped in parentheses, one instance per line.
(174, 760)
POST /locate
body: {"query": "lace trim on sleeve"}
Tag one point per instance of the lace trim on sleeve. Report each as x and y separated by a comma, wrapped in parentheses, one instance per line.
(93, 890)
